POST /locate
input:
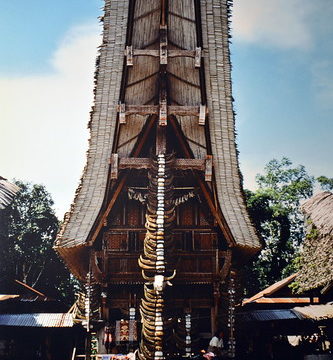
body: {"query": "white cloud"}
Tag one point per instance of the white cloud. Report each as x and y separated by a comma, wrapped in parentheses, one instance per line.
(279, 23)
(43, 134)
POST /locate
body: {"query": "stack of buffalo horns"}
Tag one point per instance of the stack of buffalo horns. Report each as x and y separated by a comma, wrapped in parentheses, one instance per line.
(155, 262)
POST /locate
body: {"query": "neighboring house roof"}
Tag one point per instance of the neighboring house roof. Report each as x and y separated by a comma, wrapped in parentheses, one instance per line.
(316, 263)
(315, 312)
(140, 86)
(260, 296)
(7, 192)
(48, 320)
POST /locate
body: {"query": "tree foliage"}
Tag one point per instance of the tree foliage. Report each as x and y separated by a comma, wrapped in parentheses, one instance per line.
(29, 230)
(325, 183)
(274, 207)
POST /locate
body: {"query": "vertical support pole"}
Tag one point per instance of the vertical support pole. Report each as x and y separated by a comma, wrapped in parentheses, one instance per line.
(88, 346)
(197, 59)
(209, 168)
(202, 115)
(163, 45)
(114, 166)
(212, 320)
(129, 55)
(231, 316)
(160, 140)
(163, 107)
(122, 113)
(87, 315)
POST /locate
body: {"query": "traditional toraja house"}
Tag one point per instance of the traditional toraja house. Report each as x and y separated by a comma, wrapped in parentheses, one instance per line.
(316, 264)
(160, 202)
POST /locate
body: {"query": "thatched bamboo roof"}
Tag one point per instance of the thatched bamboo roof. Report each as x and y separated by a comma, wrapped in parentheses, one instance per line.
(138, 85)
(7, 192)
(317, 256)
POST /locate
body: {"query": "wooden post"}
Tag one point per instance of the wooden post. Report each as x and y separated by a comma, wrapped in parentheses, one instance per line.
(88, 346)
(163, 45)
(209, 168)
(202, 115)
(163, 110)
(197, 59)
(114, 166)
(160, 140)
(122, 113)
(129, 55)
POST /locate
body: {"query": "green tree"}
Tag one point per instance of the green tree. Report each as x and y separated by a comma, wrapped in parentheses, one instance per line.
(28, 234)
(274, 207)
(325, 183)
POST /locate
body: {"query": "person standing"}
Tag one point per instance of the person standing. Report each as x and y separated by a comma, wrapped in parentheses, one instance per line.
(216, 344)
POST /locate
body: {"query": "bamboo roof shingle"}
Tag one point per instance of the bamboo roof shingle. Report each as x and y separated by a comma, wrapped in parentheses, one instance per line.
(316, 264)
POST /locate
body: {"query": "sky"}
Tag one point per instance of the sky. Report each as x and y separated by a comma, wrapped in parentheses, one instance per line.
(282, 55)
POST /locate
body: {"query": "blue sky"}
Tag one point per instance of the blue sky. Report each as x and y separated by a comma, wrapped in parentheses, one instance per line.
(282, 55)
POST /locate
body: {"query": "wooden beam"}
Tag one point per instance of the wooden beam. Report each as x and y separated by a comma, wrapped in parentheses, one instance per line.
(139, 109)
(196, 54)
(162, 109)
(30, 288)
(209, 168)
(145, 163)
(114, 166)
(182, 110)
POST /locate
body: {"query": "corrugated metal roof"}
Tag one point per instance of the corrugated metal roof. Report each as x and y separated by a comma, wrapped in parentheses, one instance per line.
(267, 315)
(315, 312)
(37, 320)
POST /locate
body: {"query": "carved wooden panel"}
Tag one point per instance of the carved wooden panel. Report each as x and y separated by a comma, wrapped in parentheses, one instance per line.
(133, 213)
(202, 219)
(116, 241)
(186, 215)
